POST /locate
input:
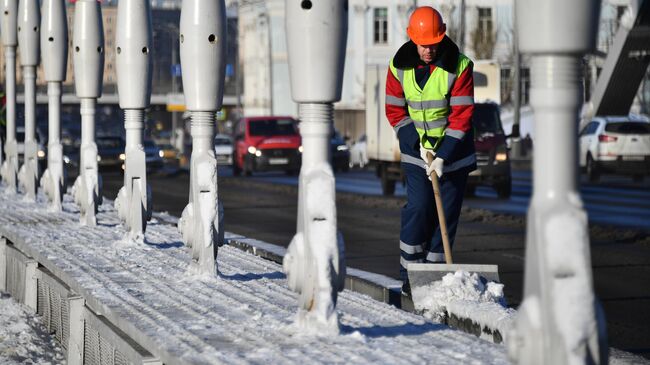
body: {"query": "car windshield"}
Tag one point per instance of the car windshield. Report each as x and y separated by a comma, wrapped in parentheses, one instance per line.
(486, 119)
(628, 128)
(109, 142)
(221, 142)
(273, 127)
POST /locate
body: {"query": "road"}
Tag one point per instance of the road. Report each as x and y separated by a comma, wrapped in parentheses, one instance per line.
(491, 231)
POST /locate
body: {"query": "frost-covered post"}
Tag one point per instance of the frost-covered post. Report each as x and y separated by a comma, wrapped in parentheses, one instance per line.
(559, 320)
(54, 46)
(9, 26)
(134, 62)
(314, 264)
(29, 19)
(88, 43)
(203, 56)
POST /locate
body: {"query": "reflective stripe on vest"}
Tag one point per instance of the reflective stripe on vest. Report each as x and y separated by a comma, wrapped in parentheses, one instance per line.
(429, 107)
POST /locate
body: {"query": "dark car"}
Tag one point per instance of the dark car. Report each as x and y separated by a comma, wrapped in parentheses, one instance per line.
(340, 152)
(492, 155)
(110, 152)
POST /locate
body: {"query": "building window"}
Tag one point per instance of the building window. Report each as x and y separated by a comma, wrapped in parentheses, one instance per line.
(485, 21)
(381, 25)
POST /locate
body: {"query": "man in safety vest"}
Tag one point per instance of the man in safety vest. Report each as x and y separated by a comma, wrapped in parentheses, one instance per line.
(429, 103)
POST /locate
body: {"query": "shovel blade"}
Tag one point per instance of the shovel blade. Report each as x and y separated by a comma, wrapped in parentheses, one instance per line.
(425, 274)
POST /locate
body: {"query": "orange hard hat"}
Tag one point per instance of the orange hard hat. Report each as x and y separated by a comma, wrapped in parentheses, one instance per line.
(426, 26)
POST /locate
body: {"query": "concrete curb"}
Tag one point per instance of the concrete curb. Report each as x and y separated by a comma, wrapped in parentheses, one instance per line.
(387, 290)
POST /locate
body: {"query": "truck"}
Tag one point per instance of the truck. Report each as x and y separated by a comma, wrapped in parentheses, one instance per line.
(491, 150)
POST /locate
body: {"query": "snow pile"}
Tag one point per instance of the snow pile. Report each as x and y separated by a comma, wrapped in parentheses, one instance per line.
(466, 296)
(23, 339)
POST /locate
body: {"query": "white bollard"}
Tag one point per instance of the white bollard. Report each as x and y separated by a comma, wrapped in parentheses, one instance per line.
(54, 46)
(203, 56)
(28, 40)
(315, 262)
(88, 50)
(134, 65)
(9, 169)
(559, 320)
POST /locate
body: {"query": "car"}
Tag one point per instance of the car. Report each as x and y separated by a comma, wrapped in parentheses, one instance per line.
(169, 153)
(615, 144)
(339, 152)
(492, 155)
(223, 149)
(110, 152)
(267, 143)
(359, 152)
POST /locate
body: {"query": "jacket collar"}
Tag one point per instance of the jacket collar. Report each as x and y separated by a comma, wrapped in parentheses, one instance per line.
(446, 58)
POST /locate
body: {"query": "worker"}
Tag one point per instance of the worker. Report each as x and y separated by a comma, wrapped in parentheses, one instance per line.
(429, 104)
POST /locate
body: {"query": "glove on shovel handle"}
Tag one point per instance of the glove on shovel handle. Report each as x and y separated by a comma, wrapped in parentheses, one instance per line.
(441, 213)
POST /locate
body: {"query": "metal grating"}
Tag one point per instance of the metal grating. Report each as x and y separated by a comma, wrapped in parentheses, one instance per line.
(91, 345)
(16, 266)
(52, 304)
(99, 351)
(65, 319)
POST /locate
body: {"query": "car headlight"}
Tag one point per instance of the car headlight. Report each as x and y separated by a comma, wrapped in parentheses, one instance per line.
(300, 149)
(258, 153)
(122, 157)
(66, 159)
(99, 158)
(501, 156)
(252, 150)
(342, 147)
(40, 153)
(161, 154)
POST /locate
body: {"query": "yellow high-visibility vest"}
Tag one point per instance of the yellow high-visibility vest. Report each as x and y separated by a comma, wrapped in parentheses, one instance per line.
(429, 108)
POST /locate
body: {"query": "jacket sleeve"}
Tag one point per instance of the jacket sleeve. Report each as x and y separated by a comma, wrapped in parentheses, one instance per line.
(395, 104)
(460, 117)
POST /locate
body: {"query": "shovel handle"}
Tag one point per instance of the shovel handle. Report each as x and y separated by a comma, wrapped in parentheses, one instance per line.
(441, 213)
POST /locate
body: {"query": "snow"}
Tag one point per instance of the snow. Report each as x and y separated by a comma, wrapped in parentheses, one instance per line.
(23, 338)
(466, 296)
(571, 285)
(315, 265)
(245, 315)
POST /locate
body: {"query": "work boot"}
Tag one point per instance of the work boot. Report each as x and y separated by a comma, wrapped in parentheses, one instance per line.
(406, 289)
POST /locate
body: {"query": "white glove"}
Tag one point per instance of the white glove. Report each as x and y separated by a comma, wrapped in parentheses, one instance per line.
(436, 164)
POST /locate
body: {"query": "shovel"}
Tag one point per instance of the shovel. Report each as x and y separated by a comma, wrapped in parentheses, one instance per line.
(421, 274)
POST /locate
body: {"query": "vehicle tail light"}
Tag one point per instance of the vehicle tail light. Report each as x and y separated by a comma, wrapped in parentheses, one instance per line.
(606, 138)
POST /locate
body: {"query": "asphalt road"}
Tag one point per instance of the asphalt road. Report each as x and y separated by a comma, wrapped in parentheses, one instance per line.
(261, 208)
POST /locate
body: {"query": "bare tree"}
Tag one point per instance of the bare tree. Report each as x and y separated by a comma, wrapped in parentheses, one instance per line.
(483, 43)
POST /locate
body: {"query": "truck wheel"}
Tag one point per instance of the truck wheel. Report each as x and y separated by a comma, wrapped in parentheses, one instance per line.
(248, 167)
(236, 170)
(387, 185)
(592, 171)
(504, 189)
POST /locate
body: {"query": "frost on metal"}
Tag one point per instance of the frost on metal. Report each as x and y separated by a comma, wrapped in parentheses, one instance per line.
(574, 305)
(88, 58)
(134, 64)
(54, 46)
(315, 260)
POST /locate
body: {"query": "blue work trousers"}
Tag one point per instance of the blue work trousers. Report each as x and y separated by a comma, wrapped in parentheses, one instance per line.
(420, 237)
